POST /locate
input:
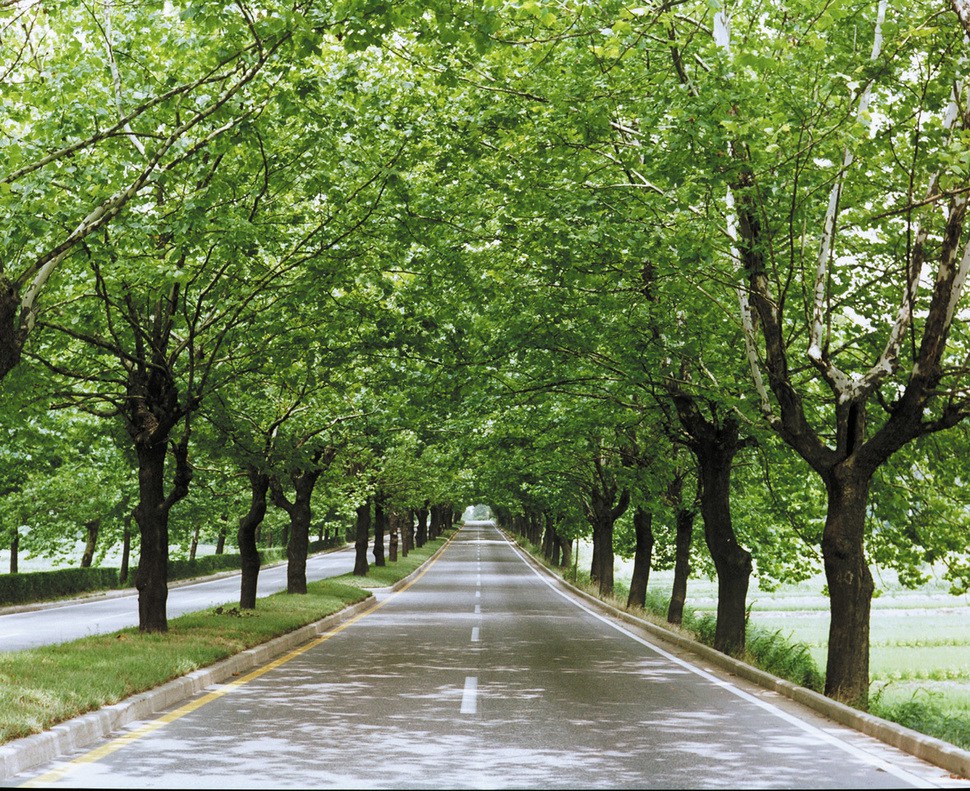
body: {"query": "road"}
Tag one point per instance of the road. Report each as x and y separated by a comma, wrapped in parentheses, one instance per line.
(71, 620)
(484, 674)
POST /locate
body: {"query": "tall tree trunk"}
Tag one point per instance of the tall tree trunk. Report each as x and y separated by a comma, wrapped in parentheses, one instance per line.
(643, 530)
(362, 528)
(678, 594)
(732, 562)
(850, 587)
(246, 537)
(194, 546)
(15, 551)
(407, 532)
(125, 549)
(602, 514)
(151, 516)
(298, 546)
(555, 558)
(594, 563)
(439, 519)
(393, 524)
(301, 516)
(715, 441)
(548, 536)
(380, 525)
(221, 536)
(91, 530)
(603, 553)
(422, 534)
(566, 545)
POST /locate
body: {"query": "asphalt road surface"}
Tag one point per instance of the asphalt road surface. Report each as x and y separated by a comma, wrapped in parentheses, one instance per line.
(483, 674)
(59, 623)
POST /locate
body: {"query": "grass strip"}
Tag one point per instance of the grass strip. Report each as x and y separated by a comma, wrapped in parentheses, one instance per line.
(41, 687)
(383, 576)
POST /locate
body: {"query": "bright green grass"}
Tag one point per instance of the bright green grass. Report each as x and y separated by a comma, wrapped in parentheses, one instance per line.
(383, 576)
(43, 686)
(932, 663)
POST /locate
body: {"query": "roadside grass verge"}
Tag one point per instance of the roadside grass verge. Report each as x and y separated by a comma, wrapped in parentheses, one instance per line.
(927, 711)
(43, 686)
(384, 576)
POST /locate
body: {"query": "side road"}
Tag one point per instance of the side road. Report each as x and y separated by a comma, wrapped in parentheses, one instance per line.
(31, 626)
(119, 593)
(23, 754)
(935, 751)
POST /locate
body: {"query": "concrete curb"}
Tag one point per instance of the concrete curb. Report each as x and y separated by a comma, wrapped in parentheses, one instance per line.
(24, 754)
(927, 748)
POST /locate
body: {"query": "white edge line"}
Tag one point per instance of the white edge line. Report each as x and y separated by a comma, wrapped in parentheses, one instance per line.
(872, 760)
(469, 696)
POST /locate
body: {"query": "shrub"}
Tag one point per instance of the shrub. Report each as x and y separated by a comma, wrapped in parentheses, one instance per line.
(37, 586)
(41, 585)
(777, 654)
(926, 716)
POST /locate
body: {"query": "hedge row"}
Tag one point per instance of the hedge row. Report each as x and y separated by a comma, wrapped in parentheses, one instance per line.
(41, 585)
(44, 585)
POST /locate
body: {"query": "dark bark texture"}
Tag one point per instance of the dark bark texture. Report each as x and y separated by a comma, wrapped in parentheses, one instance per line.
(643, 555)
(715, 441)
(421, 537)
(246, 537)
(362, 526)
(380, 526)
(298, 541)
(684, 520)
(603, 509)
(850, 588)
(91, 530)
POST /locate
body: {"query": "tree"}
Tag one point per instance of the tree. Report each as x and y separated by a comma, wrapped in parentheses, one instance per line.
(908, 389)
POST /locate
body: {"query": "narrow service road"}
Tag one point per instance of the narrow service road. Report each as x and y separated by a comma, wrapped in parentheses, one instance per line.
(60, 623)
(483, 674)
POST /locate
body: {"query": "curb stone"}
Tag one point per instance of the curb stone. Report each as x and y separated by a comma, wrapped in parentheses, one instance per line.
(21, 755)
(927, 748)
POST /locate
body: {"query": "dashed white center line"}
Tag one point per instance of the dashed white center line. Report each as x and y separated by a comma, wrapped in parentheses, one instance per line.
(478, 609)
(475, 634)
(478, 594)
(469, 697)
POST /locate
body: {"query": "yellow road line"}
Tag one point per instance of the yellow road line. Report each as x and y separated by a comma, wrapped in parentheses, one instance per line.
(116, 744)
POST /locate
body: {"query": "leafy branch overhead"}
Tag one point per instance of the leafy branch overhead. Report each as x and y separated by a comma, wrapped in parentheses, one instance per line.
(624, 272)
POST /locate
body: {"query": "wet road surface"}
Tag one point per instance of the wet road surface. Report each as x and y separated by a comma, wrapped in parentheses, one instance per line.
(483, 674)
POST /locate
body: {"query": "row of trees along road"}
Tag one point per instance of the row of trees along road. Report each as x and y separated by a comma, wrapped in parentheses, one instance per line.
(619, 270)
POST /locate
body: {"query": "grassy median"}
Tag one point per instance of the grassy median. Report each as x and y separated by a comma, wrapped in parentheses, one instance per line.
(41, 687)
